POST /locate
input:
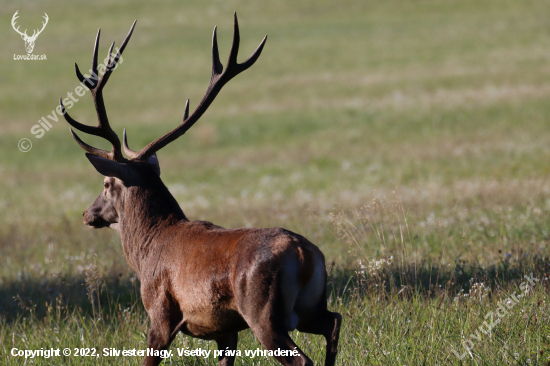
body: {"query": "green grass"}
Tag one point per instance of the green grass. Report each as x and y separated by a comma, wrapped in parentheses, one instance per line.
(416, 130)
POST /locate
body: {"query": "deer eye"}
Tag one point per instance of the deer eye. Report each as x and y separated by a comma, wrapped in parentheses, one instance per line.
(105, 184)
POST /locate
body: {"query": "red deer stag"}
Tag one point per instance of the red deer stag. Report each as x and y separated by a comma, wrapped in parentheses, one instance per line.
(198, 278)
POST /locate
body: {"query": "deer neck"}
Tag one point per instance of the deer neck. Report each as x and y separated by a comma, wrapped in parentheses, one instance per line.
(145, 217)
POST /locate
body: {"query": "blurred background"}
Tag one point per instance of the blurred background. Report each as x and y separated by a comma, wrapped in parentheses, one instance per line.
(419, 119)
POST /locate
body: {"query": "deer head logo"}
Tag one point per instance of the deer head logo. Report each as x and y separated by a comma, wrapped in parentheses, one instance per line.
(29, 41)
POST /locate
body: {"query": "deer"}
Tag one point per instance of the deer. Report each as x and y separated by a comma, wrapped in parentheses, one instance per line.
(29, 41)
(195, 277)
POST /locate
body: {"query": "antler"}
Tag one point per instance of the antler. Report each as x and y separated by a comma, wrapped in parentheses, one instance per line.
(35, 34)
(103, 129)
(15, 16)
(218, 79)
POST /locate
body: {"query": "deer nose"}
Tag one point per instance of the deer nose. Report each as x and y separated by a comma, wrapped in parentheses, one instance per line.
(84, 213)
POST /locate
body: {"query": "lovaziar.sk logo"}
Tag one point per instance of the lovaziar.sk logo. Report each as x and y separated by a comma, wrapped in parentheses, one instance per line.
(29, 40)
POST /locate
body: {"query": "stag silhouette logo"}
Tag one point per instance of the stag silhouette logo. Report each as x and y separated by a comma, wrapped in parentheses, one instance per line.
(29, 40)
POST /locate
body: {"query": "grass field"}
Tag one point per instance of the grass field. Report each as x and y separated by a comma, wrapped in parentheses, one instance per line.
(410, 140)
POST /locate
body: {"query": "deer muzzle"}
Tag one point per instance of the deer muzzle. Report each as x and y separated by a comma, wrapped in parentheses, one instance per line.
(93, 220)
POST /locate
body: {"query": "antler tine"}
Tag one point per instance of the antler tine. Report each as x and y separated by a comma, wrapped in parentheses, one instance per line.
(129, 152)
(109, 55)
(90, 149)
(112, 64)
(94, 56)
(91, 82)
(96, 84)
(217, 66)
(186, 113)
(232, 59)
(218, 79)
(79, 126)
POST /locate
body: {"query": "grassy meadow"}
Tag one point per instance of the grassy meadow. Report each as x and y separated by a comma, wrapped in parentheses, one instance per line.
(409, 140)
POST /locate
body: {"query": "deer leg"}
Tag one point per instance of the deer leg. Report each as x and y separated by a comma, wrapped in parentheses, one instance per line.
(328, 324)
(159, 338)
(227, 342)
(273, 335)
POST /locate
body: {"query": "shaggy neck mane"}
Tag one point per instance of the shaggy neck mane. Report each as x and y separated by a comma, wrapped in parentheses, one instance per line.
(145, 216)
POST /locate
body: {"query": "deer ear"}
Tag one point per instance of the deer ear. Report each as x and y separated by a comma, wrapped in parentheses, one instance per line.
(109, 168)
(153, 160)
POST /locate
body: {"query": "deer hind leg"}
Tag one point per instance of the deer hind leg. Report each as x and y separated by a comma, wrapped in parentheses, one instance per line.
(227, 342)
(328, 324)
(270, 319)
(275, 337)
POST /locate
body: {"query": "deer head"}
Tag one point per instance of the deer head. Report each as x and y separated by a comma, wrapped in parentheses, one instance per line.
(29, 41)
(137, 179)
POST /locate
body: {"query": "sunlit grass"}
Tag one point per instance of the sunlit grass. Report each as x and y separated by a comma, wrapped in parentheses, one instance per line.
(406, 137)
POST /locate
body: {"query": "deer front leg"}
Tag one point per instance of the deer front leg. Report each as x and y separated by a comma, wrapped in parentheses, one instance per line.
(159, 338)
(228, 342)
